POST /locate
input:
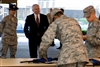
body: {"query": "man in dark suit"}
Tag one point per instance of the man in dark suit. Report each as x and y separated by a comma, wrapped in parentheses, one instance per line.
(35, 26)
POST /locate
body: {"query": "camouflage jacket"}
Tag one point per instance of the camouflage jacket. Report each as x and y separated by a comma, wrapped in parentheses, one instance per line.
(8, 28)
(93, 39)
(49, 18)
(68, 31)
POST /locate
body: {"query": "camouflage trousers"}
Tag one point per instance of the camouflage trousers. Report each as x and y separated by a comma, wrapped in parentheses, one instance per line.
(82, 64)
(12, 49)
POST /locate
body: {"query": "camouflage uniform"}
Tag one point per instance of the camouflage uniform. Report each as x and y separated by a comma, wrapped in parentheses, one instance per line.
(9, 36)
(93, 39)
(69, 33)
(93, 33)
(49, 18)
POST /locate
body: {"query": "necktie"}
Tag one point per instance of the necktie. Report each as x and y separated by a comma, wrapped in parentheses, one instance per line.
(37, 21)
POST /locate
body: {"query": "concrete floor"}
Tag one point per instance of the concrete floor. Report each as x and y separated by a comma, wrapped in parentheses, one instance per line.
(23, 49)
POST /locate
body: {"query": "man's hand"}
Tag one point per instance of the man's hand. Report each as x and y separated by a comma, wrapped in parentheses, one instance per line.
(46, 59)
(43, 54)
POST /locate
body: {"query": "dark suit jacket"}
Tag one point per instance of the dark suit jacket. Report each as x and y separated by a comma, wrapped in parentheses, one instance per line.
(31, 29)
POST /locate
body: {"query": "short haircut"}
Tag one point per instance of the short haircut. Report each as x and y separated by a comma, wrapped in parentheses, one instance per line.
(34, 5)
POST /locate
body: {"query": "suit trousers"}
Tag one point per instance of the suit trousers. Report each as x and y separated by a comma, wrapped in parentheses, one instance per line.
(33, 47)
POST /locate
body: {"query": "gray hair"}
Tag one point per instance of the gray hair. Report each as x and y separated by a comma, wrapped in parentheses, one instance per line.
(34, 5)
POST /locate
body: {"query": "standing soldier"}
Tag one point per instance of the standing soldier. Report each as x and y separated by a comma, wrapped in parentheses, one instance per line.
(49, 16)
(92, 37)
(9, 36)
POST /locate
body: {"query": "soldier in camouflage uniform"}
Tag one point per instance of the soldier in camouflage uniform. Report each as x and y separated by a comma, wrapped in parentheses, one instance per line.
(93, 32)
(9, 36)
(73, 52)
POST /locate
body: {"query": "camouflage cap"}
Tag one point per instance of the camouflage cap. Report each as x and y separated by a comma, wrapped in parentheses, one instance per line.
(88, 10)
(54, 11)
